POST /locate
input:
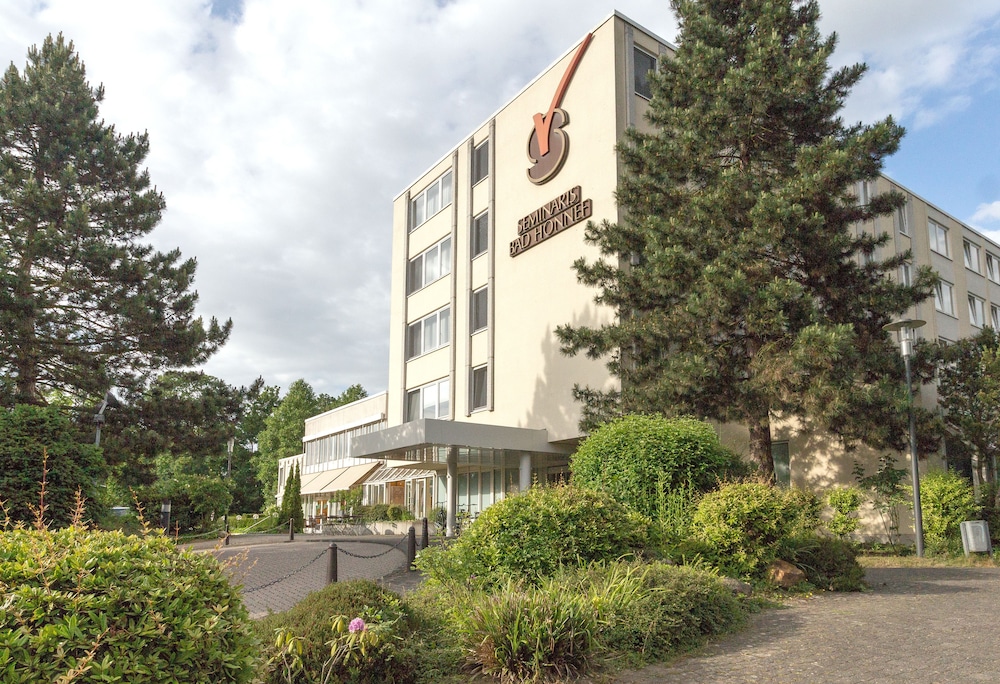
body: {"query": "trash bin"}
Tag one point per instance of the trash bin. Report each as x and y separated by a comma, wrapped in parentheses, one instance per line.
(976, 537)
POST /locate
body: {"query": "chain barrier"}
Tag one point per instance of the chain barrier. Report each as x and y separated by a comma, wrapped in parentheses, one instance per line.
(284, 577)
(377, 555)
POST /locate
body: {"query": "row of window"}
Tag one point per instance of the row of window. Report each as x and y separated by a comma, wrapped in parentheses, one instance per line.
(971, 252)
(438, 194)
(435, 262)
(433, 399)
(434, 331)
(944, 302)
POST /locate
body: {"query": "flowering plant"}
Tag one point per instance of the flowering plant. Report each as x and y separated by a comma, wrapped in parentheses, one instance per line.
(357, 640)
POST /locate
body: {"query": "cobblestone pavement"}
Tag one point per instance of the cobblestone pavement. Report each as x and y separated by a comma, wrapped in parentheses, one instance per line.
(278, 575)
(917, 625)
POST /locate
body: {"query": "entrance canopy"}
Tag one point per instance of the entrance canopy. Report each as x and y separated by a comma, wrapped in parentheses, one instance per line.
(429, 442)
(330, 481)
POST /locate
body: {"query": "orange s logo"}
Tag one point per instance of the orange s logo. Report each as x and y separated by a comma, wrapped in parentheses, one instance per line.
(548, 144)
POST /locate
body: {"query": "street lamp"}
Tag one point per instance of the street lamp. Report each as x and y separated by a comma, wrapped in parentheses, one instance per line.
(229, 471)
(905, 329)
(109, 402)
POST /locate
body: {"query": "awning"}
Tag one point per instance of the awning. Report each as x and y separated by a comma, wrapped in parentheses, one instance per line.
(389, 473)
(428, 441)
(339, 479)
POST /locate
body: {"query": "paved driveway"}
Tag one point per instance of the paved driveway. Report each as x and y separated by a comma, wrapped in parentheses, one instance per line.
(917, 625)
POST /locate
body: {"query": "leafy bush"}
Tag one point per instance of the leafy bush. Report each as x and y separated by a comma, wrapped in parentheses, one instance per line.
(26, 432)
(653, 610)
(109, 607)
(311, 620)
(636, 457)
(845, 502)
(745, 524)
(397, 513)
(946, 500)
(829, 564)
(531, 535)
(375, 512)
(525, 633)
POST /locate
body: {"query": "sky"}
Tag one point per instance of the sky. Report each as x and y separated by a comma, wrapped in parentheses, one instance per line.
(281, 131)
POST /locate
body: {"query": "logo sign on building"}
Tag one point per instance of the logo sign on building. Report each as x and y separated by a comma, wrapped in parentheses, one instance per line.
(553, 217)
(548, 143)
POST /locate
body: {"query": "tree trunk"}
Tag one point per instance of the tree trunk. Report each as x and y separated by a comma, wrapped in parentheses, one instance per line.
(760, 446)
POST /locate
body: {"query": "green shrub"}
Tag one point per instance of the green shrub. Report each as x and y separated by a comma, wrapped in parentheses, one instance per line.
(111, 607)
(524, 633)
(649, 611)
(312, 621)
(745, 524)
(845, 502)
(946, 500)
(531, 535)
(829, 564)
(375, 512)
(636, 457)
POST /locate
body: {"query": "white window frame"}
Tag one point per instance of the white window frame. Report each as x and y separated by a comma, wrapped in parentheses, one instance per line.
(477, 246)
(483, 372)
(995, 316)
(480, 162)
(479, 303)
(431, 200)
(435, 394)
(977, 311)
(944, 300)
(642, 77)
(971, 252)
(906, 274)
(429, 266)
(938, 237)
(864, 192)
(993, 267)
(437, 325)
(902, 218)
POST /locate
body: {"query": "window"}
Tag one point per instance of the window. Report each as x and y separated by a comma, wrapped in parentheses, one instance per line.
(782, 463)
(479, 316)
(938, 236)
(971, 252)
(906, 274)
(429, 266)
(864, 193)
(429, 401)
(995, 316)
(433, 199)
(977, 308)
(428, 333)
(481, 162)
(942, 298)
(644, 63)
(478, 393)
(480, 238)
(993, 267)
(902, 218)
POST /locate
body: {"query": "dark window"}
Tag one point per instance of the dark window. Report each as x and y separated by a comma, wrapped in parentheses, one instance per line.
(413, 405)
(480, 233)
(479, 380)
(480, 309)
(644, 63)
(480, 162)
(782, 463)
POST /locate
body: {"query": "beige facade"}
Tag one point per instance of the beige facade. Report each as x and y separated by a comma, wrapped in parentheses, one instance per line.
(481, 277)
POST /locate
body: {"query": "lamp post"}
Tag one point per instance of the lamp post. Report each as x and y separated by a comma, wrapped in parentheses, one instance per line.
(905, 329)
(109, 402)
(229, 471)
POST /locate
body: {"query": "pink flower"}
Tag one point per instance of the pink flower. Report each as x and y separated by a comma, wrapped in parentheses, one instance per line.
(357, 625)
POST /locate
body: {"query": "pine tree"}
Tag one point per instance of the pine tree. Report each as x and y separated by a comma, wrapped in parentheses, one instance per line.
(295, 501)
(84, 304)
(743, 288)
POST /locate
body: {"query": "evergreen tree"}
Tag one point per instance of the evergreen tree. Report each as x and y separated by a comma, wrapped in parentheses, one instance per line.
(84, 304)
(743, 287)
(295, 501)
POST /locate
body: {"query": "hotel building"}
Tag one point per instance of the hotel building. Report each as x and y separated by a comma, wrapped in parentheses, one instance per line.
(479, 403)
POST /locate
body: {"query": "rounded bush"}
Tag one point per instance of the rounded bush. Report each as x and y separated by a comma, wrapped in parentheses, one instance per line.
(311, 621)
(946, 500)
(829, 564)
(845, 502)
(102, 606)
(746, 523)
(531, 535)
(636, 458)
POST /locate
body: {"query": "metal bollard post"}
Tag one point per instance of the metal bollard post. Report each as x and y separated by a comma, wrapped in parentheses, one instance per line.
(227, 538)
(331, 568)
(291, 529)
(411, 547)
(423, 534)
